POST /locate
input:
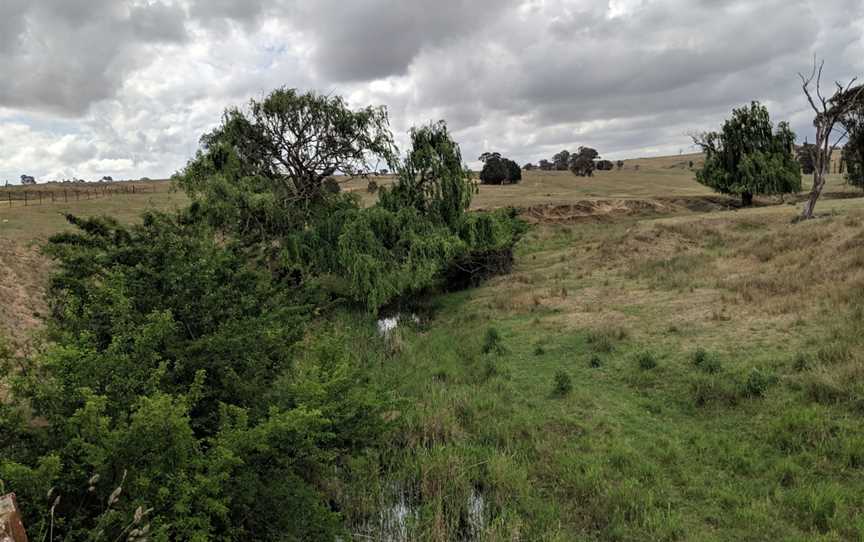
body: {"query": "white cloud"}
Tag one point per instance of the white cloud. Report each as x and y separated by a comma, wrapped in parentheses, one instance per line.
(126, 87)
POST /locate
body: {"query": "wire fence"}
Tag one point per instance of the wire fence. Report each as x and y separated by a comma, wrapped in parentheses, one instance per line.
(11, 196)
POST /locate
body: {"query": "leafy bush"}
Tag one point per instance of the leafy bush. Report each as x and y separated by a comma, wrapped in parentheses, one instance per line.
(173, 359)
(705, 361)
(757, 383)
(492, 343)
(646, 360)
(563, 384)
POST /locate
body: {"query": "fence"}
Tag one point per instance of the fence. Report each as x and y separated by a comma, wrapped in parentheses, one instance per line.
(27, 197)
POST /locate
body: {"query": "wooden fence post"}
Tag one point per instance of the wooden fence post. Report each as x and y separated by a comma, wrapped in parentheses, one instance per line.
(25, 198)
(11, 527)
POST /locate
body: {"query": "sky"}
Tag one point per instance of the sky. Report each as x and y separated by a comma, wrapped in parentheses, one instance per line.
(127, 87)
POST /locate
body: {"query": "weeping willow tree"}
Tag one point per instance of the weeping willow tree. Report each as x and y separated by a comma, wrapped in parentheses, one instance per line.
(748, 156)
(260, 180)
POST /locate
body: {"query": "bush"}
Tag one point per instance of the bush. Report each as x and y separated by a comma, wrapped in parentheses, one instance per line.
(172, 359)
(492, 343)
(562, 385)
(595, 362)
(705, 361)
(757, 383)
(372, 186)
(646, 360)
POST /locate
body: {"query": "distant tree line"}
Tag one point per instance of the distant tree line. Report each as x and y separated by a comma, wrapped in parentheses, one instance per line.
(581, 163)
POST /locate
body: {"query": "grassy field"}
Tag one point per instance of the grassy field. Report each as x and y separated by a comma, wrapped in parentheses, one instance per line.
(684, 378)
(648, 371)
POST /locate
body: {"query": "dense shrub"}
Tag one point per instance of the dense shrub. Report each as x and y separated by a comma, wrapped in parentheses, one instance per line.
(646, 360)
(171, 372)
(492, 343)
(562, 384)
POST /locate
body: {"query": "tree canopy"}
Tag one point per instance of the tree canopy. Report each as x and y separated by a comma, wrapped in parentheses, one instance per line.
(499, 170)
(748, 156)
(853, 151)
(582, 163)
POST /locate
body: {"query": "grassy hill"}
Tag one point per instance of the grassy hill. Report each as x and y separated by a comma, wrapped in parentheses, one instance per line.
(654, 368)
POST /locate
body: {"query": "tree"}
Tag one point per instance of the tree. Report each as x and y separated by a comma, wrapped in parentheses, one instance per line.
(582, 163)
(263, 169)
(499, 170)
(545, 165)
(620, 164)
(829, 112)
(749, 157)
(486, 156)
(561, 160)
(853, 151)
(514, 172)
(805, 154)
(529, 167)
(605, 165)
(432, 179)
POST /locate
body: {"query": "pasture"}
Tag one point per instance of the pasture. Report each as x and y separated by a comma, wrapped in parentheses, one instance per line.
(667, 370)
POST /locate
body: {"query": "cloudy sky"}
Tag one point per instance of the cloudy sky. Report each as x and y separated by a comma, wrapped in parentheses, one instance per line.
(126, 87)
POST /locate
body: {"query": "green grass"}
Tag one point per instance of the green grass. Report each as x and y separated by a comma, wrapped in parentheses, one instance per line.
(642, 416)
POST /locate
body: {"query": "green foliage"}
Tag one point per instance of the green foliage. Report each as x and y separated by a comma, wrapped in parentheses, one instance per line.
(804, 155)
(561, 160)
(432, 178)
(262, 172)
(181, 367)
(853, 155)
(705, 361)
(749, 157)
(757, 383)
(492, 342)
(582, 163)
(646, 360)
(562, 384)
(173, 360)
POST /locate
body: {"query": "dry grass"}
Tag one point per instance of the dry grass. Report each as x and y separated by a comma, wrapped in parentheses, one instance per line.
(751, 275)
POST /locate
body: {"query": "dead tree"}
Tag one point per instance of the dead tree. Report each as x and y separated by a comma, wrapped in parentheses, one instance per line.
(829, 112)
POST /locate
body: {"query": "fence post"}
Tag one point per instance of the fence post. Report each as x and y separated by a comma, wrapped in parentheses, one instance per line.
(25, 198)
(65, 196)
(10, 198)
(40, 197)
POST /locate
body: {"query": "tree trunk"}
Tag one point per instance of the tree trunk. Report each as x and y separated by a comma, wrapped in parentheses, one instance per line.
(746, 199)
(815, 192)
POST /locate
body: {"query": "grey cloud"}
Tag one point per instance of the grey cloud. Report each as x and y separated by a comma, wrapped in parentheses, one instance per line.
(525, 77)
(67, 54)
(370, 39)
